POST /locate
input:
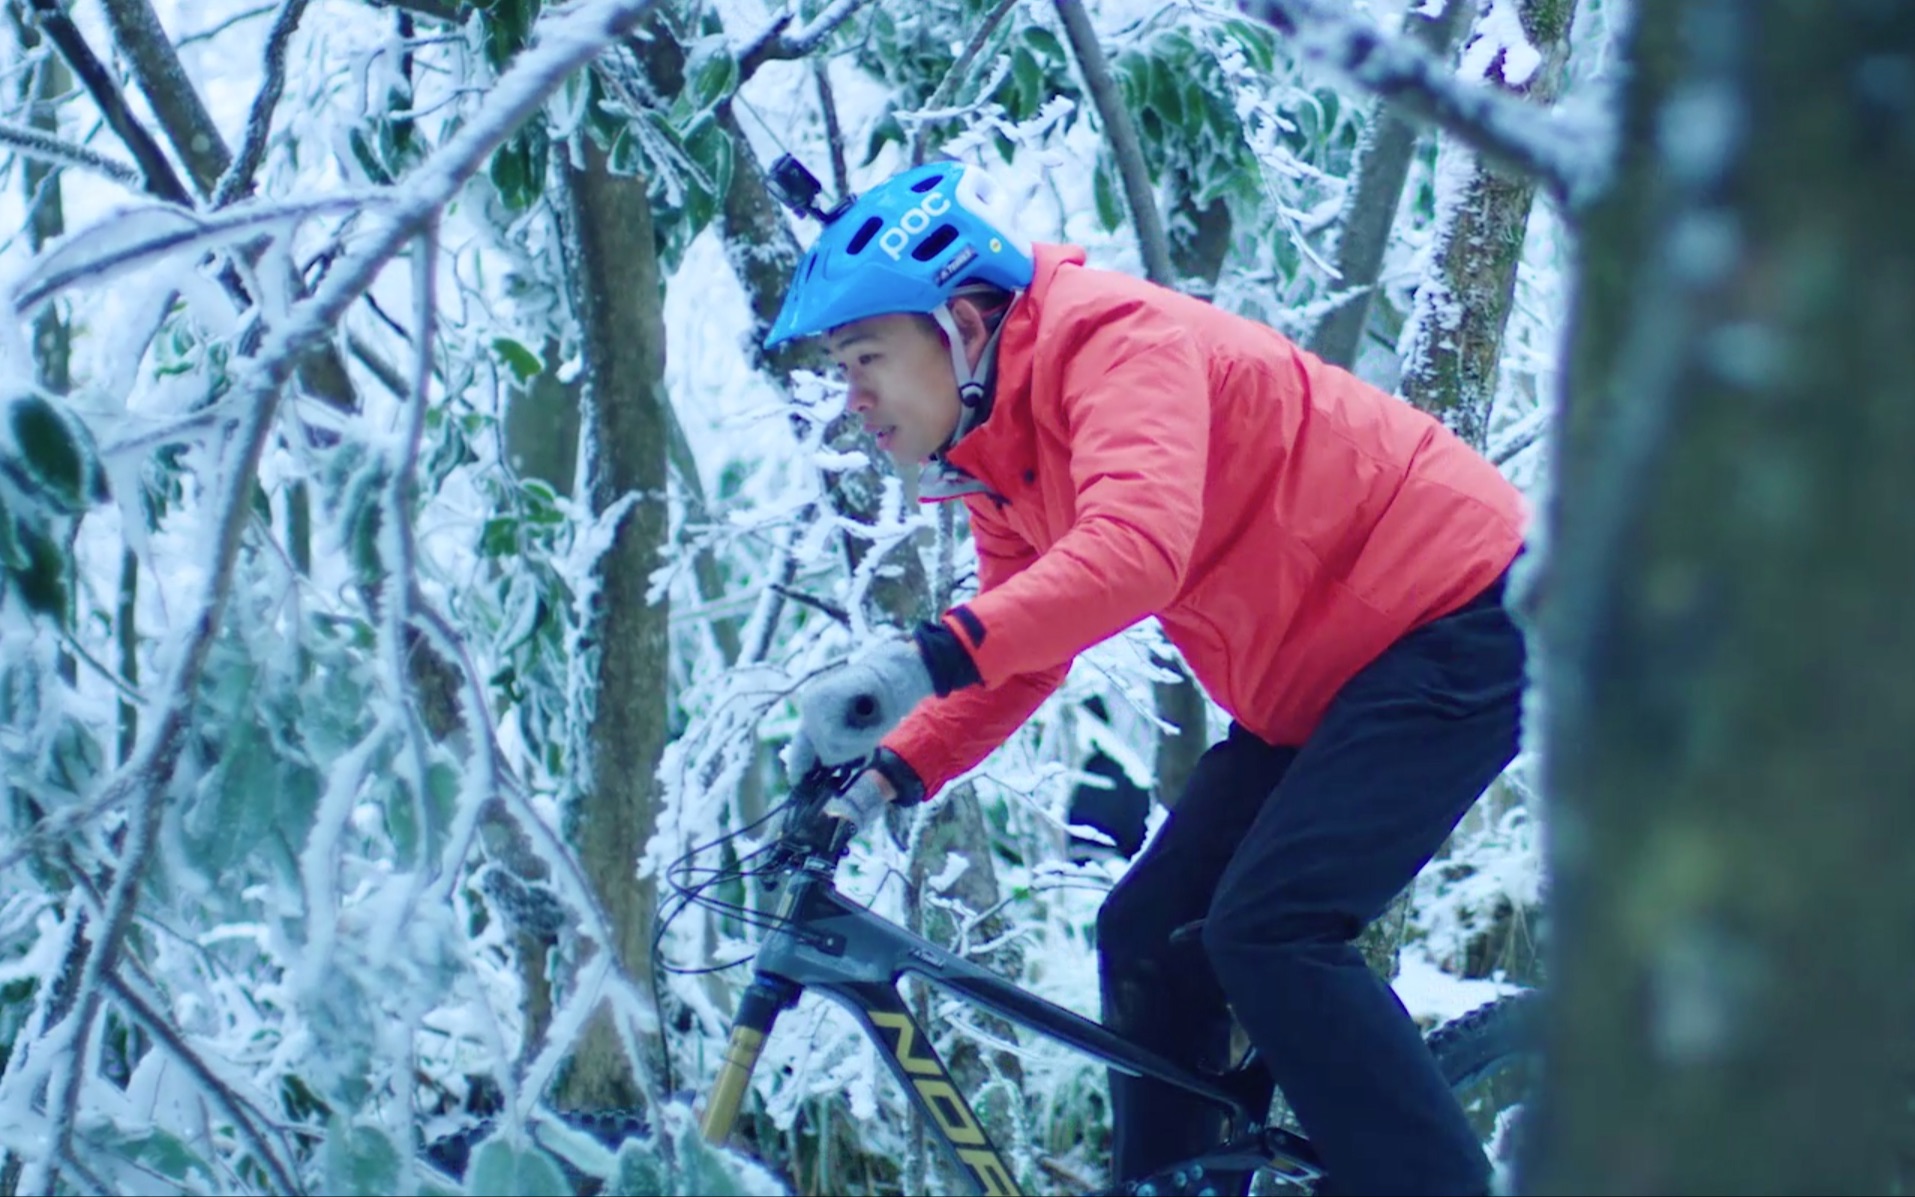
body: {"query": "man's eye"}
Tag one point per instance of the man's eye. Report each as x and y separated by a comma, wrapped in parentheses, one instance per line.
(865, 359)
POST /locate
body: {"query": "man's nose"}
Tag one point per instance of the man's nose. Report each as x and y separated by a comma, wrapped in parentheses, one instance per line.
(858, 397)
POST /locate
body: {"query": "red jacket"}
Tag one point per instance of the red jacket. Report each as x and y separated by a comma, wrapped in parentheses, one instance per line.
(1150, 454)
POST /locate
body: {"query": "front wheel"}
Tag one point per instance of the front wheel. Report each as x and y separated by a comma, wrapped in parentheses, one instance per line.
(1490, 1059)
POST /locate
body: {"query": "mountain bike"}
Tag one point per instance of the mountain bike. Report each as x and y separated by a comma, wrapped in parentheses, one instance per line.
(821, 940)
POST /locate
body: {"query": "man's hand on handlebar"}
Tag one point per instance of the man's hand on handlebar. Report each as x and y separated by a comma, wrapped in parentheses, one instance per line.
(864, 801)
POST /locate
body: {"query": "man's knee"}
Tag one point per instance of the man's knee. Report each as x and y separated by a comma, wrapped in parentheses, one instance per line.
(1139, 914)
(1240, 938)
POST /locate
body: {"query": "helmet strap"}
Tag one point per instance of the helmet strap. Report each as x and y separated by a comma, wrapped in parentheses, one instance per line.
(970, 382)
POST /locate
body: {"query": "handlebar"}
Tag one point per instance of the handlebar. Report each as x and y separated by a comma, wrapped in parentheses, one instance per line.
(808, 832)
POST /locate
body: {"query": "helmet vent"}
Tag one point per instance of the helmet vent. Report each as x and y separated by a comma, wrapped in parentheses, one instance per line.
(862, 237)
(935, 244)
(927, 183)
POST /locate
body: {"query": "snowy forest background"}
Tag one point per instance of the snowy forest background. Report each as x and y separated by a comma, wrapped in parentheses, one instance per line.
(409, 555)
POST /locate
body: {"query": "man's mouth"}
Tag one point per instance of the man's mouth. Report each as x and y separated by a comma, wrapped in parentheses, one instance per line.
(883, 434)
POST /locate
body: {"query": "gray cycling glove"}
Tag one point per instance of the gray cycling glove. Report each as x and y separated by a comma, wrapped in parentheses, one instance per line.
(843, 714)
(861, 805)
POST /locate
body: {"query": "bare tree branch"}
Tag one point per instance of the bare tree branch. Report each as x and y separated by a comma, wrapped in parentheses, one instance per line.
(561, 45)
(947, 86)
(774, 43)
(1496, 125)
(161, 179)
(1129, 152)
(238, 178)
(156, 67)
(41, 146)
(213, 31)
(1388, 146)
(834, 130)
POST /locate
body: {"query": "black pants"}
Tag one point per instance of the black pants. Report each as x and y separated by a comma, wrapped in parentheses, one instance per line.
(1288, 853)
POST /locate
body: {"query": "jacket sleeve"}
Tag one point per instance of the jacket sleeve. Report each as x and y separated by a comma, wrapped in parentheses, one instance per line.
(947, 736)
(1135, 406)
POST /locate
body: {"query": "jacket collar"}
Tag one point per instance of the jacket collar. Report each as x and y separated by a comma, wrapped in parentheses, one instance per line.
(1008, 361)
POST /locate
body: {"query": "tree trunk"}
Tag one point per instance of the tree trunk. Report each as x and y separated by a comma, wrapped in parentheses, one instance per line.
(619, 300)
(1463, 306)
(765, 255)
(1384, 166)
(1724, 620)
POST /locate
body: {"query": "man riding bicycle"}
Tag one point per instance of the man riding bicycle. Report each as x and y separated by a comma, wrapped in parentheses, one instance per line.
(1329, 560)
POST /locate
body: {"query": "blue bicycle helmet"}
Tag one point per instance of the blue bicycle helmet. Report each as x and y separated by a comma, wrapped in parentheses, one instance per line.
(907, 245)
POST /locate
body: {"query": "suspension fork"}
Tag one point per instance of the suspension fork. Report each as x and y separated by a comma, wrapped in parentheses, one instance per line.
(765, 999)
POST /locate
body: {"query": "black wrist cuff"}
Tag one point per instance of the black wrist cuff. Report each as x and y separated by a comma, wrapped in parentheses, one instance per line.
(903, 778)
(945, 658)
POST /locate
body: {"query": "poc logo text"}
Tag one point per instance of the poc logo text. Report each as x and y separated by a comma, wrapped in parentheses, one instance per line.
(893, 240)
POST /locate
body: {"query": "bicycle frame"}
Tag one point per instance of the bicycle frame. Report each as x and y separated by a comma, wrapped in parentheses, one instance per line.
(825, 941)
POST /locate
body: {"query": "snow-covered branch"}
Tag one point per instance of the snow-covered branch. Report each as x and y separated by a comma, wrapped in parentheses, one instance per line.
(774, 43)
(259, 120)
(561, 44)
(398, 549)
(160, 177)
(1497, 125)
(246, 1118)
(947, 86)
(132, 238)
(42, 146)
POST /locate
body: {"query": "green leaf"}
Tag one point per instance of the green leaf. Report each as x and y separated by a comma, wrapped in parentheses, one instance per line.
(442, 798)
(12, 555)
(518, 169)
(1166, 96)
(1257, 41)
(500, 1169)
(57, 459)
(359, 1161)
(1110, 209)
(642, 1171)
(712, 74)
(154, 1150)
(886, 131)
(542, 503)
(500, 537)
(1133, 78)
(1028, 78)
(235, 807)
(524, 364)
(42, 582)
(1045, 43)
(710, 147)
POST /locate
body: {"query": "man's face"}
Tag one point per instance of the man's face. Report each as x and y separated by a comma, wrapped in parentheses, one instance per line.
(902, 384)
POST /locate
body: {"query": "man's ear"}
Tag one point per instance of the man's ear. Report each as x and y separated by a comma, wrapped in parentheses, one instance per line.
(970, 323)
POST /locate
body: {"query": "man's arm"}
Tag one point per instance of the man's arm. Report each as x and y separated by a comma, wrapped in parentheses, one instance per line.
(1135, 402)
(947, 736)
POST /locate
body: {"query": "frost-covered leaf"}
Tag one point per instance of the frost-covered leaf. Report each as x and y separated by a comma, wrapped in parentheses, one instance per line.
(12, 554)
(1110, 209)
(154, 1151)
(237, 803)
(642, 1171)
(442, 797)
(524, 364)
(518, 170)
(359, 1160)
(711, 73)
(50, 452)
(41, 582)
(501, 1169)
